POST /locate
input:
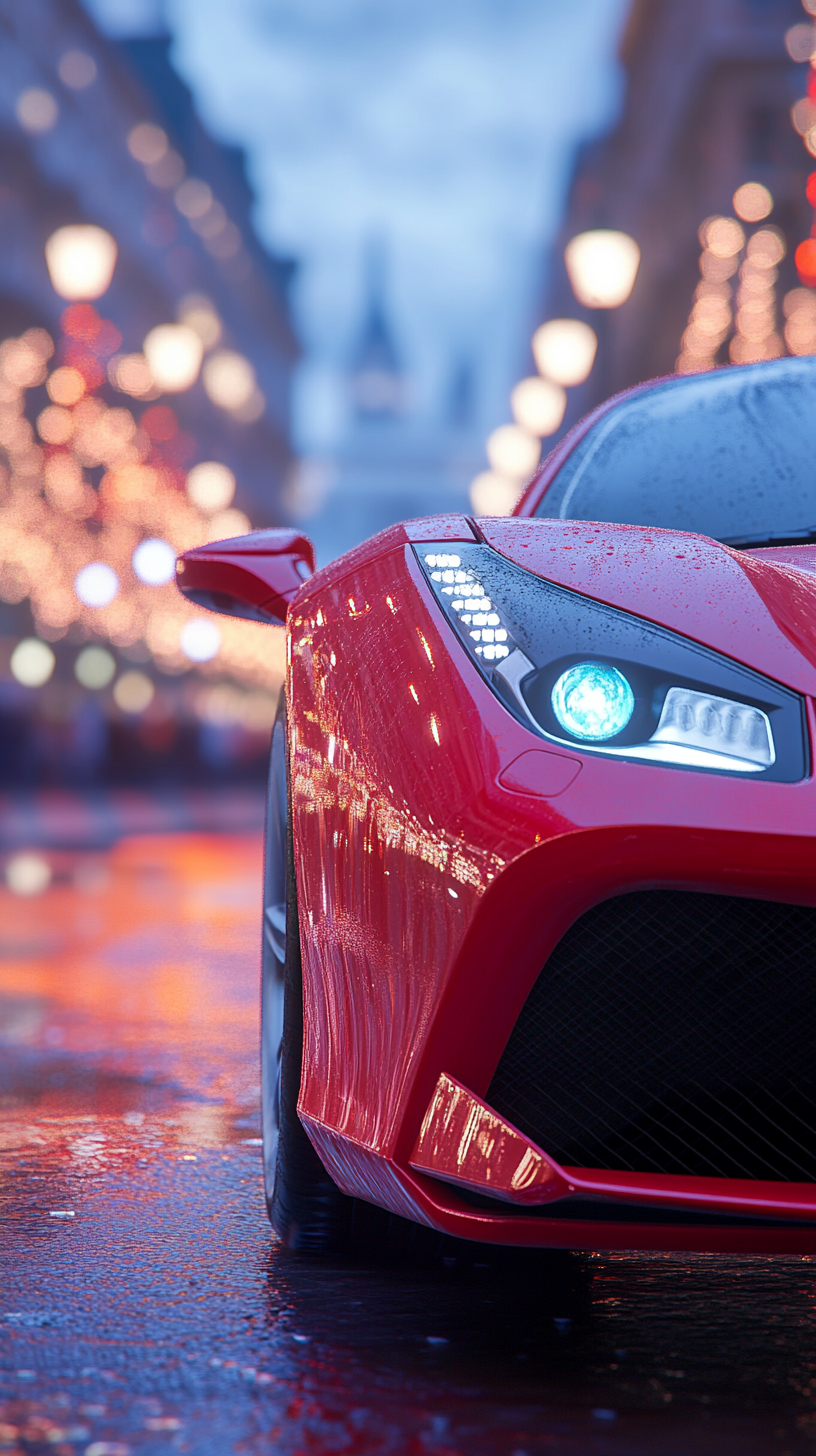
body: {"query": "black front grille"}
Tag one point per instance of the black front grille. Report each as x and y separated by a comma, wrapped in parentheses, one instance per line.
(672, 1032)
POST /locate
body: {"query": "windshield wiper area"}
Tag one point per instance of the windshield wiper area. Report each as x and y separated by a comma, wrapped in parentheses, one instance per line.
(806, 536)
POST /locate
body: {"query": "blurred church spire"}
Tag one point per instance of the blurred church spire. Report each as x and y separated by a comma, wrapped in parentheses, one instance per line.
(376, 379)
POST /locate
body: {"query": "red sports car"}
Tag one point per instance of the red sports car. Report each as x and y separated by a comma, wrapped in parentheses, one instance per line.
(540, 897)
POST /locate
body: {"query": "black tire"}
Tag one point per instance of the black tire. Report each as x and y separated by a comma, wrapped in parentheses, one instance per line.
(306, 1208)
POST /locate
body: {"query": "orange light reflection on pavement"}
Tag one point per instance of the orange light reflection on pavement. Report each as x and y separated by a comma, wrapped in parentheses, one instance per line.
(148, 959)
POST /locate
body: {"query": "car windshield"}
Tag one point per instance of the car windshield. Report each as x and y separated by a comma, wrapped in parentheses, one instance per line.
(730, 454)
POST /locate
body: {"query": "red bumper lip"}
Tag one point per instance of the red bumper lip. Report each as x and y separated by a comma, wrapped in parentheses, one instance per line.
(465, 1142)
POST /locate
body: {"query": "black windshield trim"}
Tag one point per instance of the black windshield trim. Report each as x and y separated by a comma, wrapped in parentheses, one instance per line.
(804, 537)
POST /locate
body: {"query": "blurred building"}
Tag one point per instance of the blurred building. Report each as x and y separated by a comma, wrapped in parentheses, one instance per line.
(154, 410)
(707, 108)
(70, 100)
(390, 463)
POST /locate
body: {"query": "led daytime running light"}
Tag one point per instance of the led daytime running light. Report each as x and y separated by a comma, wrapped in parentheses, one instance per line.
(469, 600)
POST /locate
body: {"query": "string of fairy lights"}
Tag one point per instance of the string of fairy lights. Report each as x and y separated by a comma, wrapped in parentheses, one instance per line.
(735, 303)
(735, 315)
(98, 498)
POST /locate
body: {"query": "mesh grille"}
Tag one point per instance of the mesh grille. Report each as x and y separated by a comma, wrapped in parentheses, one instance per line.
(672, 1032)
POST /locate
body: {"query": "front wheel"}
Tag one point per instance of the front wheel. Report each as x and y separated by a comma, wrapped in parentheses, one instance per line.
(305, 1206)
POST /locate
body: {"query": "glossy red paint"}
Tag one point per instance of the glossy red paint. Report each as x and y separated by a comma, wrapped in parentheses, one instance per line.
(743, 606)
(262, 571)
(803, 558)
(465, 1142)
(539, 772)
(432, 887)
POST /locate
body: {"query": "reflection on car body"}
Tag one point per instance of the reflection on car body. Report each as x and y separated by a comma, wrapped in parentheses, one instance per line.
(540, 925)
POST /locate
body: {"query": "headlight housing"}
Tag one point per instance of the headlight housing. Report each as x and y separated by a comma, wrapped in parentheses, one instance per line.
(589, 675)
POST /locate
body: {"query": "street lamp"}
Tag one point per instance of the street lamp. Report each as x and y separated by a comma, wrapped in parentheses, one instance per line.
(564, 350)
(80, 261)
(513, 451)
(538, 405)
(602, 266)
(173, 353)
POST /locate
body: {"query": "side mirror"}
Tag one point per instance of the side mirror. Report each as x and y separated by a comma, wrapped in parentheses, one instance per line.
(252, 576)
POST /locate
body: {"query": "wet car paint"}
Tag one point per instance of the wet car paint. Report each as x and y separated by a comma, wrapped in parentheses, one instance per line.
(431, 893)
(163, 1316)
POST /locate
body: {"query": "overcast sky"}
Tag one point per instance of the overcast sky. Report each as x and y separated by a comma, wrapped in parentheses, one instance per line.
(443, 127)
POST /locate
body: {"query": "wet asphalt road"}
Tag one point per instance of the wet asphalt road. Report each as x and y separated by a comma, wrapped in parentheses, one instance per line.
(145, 1308)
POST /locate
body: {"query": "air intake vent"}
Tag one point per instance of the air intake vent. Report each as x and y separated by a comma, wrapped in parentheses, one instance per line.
(672, 1032)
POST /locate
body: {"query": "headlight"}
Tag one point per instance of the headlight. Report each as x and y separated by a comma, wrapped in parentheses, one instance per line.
(593, 701)
(583, 673)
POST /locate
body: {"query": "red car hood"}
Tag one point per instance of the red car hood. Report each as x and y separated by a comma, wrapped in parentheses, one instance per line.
(758, 607)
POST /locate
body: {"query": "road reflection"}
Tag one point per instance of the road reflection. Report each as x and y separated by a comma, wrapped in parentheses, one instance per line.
(145, 1306)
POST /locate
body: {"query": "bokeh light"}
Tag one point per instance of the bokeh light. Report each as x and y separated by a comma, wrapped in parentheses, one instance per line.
(492, 494)
(95, 668)
(800, 41)
(96, 584)
(167, 172)
(200, 639)
(211, 486)
(229, 379)
(77, 70)
(133, 692)
(805, 260)
(131, 374)
(193, 197)
(513, 451)
(154, 562)
(198, 313)
(752, 202)
(55, 425)
(722, 236)
(602, 266)
(147, 143)
(799, 307)
(766, 248)
(81, 259)
(28, 874)
(226, 524)
(564, 350)
(173, 353)
(32, 662)
(65, 386)
(538, 405)
(37, 110)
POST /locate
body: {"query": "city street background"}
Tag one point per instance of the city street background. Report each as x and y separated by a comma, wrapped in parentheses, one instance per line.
(326, 265)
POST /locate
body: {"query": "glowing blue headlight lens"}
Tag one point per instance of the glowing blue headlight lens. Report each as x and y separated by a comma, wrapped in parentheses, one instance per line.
(593, 701)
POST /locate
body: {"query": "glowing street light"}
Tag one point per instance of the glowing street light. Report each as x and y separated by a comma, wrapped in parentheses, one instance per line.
(564, 350)
(174, 353)
(80, 261)
(538, 405)
(513, 451)
(492, 494)
(602, 266)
